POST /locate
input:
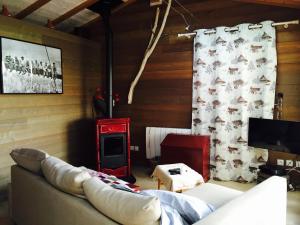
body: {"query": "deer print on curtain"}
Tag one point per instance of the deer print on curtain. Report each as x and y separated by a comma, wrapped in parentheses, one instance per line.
(234, 78)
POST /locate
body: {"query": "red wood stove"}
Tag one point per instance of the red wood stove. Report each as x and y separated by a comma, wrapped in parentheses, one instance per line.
(113, 146)
(193, 150)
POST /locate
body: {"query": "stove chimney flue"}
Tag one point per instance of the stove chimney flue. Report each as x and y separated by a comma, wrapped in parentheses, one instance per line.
(109, 69)
(105, 13)
(104, 8)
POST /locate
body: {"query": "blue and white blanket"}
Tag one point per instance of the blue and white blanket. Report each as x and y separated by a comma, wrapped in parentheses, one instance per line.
(180, 209)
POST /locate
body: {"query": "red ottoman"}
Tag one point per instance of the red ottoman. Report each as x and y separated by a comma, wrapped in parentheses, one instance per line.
(192, 150)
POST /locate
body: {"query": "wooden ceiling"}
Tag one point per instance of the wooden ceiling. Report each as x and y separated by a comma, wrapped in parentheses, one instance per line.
(65, 15)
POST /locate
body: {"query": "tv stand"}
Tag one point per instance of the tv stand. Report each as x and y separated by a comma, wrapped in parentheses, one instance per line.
(292, 177)
(276, 170)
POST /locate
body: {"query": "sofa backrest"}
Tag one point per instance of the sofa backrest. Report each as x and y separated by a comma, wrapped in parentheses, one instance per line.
(36, 202)
(265, 204)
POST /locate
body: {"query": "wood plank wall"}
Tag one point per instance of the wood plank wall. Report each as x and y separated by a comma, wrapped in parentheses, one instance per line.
(50, 122)
(164, 94)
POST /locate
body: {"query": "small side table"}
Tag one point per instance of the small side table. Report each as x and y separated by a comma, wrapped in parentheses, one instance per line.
(188, 178)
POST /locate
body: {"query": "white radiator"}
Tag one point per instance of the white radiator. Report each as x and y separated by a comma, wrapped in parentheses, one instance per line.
(155, 135)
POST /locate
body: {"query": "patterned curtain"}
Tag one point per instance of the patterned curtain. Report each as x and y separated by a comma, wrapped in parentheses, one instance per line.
(234, 78)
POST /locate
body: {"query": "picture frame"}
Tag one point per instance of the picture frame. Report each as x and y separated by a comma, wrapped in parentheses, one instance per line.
(30, 68)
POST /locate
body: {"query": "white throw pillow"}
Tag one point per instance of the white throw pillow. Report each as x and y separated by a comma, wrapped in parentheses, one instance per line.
(122, 206)
(29, 159)
(64, 176)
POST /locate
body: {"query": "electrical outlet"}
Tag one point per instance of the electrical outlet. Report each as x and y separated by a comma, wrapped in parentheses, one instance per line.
(136, 148)
(298, 164)
(132, 148)
(289, 163)
(280, 162)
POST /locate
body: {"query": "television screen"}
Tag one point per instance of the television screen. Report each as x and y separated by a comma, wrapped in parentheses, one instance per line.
(277, 135)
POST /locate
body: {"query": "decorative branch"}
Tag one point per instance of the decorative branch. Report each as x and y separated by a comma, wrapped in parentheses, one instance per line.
(153, 29)
(149, 50)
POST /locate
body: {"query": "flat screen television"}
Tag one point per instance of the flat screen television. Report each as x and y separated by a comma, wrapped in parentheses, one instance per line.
(277, 135)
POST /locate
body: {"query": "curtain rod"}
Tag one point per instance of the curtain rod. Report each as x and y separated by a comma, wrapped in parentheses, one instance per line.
(254, 26)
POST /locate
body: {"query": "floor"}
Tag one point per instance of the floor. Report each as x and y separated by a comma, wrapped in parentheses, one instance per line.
(145, 182)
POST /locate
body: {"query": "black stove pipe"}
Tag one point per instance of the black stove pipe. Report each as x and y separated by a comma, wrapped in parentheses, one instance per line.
(109, 60)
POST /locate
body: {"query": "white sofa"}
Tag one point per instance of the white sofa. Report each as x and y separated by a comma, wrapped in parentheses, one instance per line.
(264, 204)
(35, 202)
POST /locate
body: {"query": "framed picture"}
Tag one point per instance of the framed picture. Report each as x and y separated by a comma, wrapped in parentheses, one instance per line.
(30, 68)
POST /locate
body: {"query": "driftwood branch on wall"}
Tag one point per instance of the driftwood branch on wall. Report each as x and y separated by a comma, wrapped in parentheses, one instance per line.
(151, 46)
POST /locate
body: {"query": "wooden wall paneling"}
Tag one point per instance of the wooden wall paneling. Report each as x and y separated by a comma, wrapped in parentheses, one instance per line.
(163, 96)
(50, 143)
(283, 3)
(288, 47)
(59, 123)
(281, 155)
(288, 79)
(290, 34)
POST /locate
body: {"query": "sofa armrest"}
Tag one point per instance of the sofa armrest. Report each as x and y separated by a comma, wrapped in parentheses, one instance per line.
(214, 194)
(264, 204)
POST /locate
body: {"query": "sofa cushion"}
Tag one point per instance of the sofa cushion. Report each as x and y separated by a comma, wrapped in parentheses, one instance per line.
(29, 158)
(122, 206)
(214, 194)
(179, 208)
(64, 176)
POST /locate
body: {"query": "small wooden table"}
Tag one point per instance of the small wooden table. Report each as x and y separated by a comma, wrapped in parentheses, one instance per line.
(188, 178)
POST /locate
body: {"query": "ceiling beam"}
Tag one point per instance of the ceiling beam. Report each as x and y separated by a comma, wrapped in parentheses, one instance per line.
(281, 3)
(123, 5)
(118, 8)
(31, 8)
(73, 11)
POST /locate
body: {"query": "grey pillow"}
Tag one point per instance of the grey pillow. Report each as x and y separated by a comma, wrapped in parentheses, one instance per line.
(29, 158)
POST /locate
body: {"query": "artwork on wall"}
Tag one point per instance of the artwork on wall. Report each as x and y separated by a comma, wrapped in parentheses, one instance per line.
(30, 68)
